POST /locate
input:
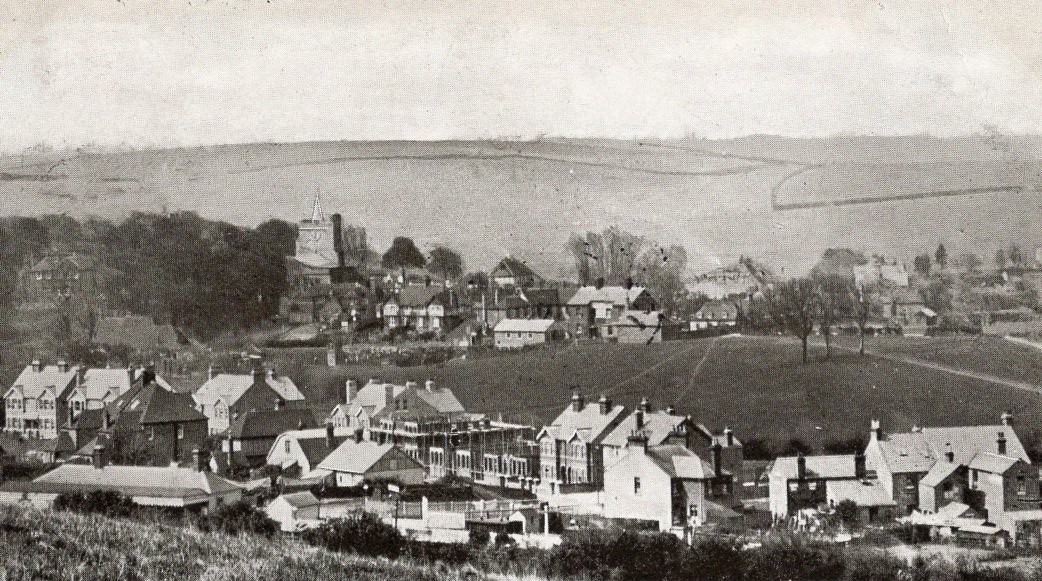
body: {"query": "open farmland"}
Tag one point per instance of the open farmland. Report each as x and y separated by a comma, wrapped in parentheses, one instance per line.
(754, 384)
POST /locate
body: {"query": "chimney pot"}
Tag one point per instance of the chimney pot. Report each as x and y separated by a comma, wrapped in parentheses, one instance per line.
(388, 394)
(63, 366)
(577, 402)
(330, 440)
(718, 467)
(729, 435)
(670, 409)
(801, 467)
(352, 390)
(877, 431)
(429, 385)
(639, 418)
(605, 405)
(1007, 418)
(98, 456)
(37, 366)
(644, 405)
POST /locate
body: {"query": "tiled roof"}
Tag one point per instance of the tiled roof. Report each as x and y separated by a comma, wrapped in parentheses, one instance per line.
(270, 423)
(355, 457)
(32, 384)
(524, 325)
(167, 481)
(939, 472)
(591, 424)
(658, 426)
(372, 397)
(679, 462)
(615, 295)
(152, 404)
(441, 399)
(98, 382)
(828, 467)
(642, 319)
(316, 450)
(414, 295)
(515, 267)
(229, 388)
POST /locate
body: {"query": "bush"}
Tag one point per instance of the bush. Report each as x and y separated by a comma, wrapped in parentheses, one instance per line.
(361, 533)
(105, 502)
(237, 518)
(479, 537)
(503, 539)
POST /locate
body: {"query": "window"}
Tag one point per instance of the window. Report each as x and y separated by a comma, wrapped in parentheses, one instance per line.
(152, 433)
(636, 485)
(288, 446)
(180, 431)
(1022, 488)
(77, 406)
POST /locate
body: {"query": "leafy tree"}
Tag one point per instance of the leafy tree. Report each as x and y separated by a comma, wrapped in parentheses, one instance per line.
(1016, 257)
(846, 512)
(608, 256)
(403, 253)
(921, 264)
(971, 263)
(941, 256)
(839, 261)
(445, 262)
(1000, 259)
(793, 307)
(356, 245)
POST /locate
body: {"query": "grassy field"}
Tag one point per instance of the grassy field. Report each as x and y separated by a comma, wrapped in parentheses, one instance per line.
(37, 545)
(753, 384)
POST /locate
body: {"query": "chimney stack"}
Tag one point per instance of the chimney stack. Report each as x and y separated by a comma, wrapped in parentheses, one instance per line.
(279, 403)
(605, 405)
(209, 373)
(670, 409)
(358, 435)
(37, 366)
(644, 405)
(1002, 443)
(718, 467)
(199, 460)
(577, 401)
(729, 436)
(429, 385)
(330, 440)
(948, 453)
(98, 456)
(638, 441)
(259, 375)
(859, 466)
(1006, 418)
(388, 394)
(638, 417)
(877, 431)
(801, 467)
(352, 390)
(63, 366)
(411, 385)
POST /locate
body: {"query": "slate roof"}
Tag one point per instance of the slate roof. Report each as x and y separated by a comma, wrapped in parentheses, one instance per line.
(355, 457)
(827, 467)
(642, 319)
(300, 499)
(590, 423)
(415, 295)
(939, 472)
(864, 493)
(441, 399)
(993, 463)
(135, 331)
(229, 388)
(658, 425)
(270, 423)
(165, 481)
(615, 295)
(152, 404)
(679, 462)
(33, 384)
(524, 325)
(918, 451)
(98, 382)
(371, 397)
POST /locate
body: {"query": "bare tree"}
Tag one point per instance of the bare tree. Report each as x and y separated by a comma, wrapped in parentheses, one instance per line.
(792, 305)
(865, 303)
(833, 304)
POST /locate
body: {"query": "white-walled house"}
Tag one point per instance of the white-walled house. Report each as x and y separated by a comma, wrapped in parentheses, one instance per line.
(36, 403)
(293, 510)
(225, 394)
(357, 460)
(305, 449)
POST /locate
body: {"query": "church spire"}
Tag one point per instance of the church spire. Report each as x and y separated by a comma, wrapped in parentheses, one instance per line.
(316, 210)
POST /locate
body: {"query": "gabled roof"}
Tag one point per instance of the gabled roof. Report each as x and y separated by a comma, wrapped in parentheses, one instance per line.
(357, 457)
(89, 419)
(313, 442)
(616, 295)
(270, 423)
(862, 492)
(939, 472)
(441, 399)
(679, 462)
(53, 261)
(414, 295)
(524, 325)
(98, 382)
(641, 319)
(993, 463)
(166, 481)
(153, 404)
(229, 388)
(658, 425)
(32, 384)
(919, 451)
(372, 398)
(300, 499)
(590, 423)
(828, 467)
(515, 268)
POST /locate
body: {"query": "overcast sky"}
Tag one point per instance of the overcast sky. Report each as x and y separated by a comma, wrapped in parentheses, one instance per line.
(126, 74)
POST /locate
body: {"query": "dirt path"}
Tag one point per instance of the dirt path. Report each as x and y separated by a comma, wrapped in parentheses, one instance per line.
(696, 370)
(657, 365)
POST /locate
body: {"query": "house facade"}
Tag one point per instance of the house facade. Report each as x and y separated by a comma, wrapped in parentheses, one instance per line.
(591, 306)
(420, 308)
(630, 326)
(299, 452)
(59, 276)
(512, 272)
(716, 314)
(571, 456)
(248, 441)
(225, 395)
(357, 460)
(38, 403)
(517, 333)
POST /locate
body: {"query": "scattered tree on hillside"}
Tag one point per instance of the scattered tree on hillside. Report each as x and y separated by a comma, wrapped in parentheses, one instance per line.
(607, 256)
(445, 262)
(922, 265)
(833, 304)
(403, 253)
(971, 263)
(661, 270)
(793, 307)
(839, 261)
(864, 302)
(1016, 257)
(355, 242)
(1000, 259)
(941, 256)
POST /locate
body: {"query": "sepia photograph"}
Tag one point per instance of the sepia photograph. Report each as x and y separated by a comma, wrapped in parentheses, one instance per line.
(633, 290)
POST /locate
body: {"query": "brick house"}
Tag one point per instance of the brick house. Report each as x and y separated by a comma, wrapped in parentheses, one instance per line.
(420, 308)
(59, 275)
(591, 306)
(250, 437)
(571, 456)
(225, 395)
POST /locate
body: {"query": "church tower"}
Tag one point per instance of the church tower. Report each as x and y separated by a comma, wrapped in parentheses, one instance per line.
(318, 239)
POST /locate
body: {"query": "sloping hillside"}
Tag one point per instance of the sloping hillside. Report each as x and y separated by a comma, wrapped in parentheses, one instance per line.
(753, 384)
(784, 200)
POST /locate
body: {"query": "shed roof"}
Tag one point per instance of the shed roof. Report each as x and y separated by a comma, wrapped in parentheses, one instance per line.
(524, 325)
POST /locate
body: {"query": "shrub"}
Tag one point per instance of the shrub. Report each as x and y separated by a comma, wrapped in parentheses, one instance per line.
(479, 537)
(361, 533)
(106, 502)
(503, 539)
(240, 517)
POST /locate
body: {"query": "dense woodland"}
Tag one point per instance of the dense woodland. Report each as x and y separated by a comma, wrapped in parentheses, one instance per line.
(205, 277)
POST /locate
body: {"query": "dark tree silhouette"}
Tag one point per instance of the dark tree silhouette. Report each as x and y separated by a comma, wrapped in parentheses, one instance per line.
(941, 256)
(445, 262)
(403, 253)
(793, 307)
